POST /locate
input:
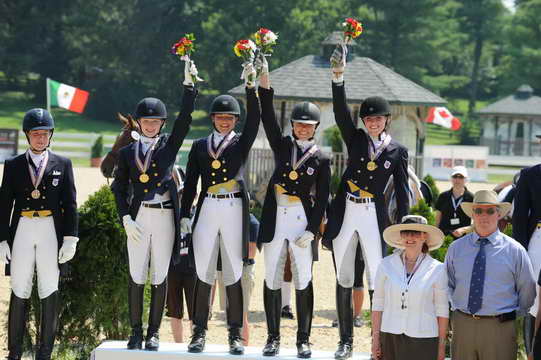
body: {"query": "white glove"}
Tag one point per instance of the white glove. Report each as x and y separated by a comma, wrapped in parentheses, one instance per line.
(305, 239)
(261, 64)
(248, 74)
(185, 225)
(132, 229)
(338, 63)
(5, 253)
(67, 251)
(188, 80)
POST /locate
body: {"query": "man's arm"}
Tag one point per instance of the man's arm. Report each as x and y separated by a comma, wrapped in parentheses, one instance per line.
(521, 212)
(525, 282)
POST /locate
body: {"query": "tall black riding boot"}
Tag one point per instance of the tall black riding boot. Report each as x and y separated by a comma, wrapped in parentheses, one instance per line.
(18, 309)
(200, 316)
(234, 311)
(136, 295)
(49, 324)
(345, 322)
(158, 294)
(305, 311)
(272, 300)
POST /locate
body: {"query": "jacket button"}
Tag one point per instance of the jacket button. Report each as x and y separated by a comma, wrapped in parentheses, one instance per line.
(146, 190)
(42, 206)
(362, 159)
(359, 171)
(224, 170)
(225, 179)
(213, 174)
(155, 174)
(287, 164)
(159, 184)
(153, 164)
(284, 174)
(296, 182)
(43, 197)
(214, 182)
(27, 198)
(371, 177)
(366, 187)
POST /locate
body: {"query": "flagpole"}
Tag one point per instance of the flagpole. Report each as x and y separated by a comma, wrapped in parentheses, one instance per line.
(48, 96)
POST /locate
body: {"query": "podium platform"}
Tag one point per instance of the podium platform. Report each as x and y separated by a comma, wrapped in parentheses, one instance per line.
(116, 350)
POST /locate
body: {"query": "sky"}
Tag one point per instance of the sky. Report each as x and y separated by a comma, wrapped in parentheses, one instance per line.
(509, 3)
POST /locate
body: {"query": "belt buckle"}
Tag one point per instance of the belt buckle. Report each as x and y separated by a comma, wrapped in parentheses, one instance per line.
(476, 317)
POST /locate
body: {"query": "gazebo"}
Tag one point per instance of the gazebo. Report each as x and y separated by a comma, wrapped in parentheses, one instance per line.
(509, 125)
(308, 79)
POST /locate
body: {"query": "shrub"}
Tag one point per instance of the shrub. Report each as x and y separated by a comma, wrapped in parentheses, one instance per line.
(97, 149)
(435, 191)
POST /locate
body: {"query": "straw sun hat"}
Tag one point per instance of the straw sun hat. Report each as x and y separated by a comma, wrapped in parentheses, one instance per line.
(391, 235)
(486, 197)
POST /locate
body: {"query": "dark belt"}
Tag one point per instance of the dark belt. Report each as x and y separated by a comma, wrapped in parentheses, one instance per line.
(502, 317)
(363, 200)
(224, 196)
(161, 205)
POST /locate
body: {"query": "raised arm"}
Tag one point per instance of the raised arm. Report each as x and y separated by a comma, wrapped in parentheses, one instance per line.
(253, 118)
(268, 117)
(183, 121)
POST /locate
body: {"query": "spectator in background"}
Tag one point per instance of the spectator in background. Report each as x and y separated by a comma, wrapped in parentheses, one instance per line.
(449, 216)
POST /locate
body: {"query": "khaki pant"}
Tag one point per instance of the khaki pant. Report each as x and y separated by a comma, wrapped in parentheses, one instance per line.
(482, 339)
(403, 347)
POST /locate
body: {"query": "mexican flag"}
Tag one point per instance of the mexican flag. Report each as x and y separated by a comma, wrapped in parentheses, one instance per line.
(65, 96)
(440, 115)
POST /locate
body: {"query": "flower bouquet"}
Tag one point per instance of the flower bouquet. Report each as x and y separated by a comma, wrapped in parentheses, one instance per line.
(265, 40)
(183, 49)
(245, 49)
(352, 29)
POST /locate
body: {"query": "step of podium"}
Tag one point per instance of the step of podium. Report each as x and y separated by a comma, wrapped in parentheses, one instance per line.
(116, 350)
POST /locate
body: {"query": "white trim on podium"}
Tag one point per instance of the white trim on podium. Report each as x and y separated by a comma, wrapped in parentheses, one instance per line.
(116, 350)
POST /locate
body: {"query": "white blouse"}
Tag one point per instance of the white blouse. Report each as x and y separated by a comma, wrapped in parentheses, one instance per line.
(411, 308)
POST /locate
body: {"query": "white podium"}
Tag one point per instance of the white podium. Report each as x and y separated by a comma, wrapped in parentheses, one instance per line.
(116, 350)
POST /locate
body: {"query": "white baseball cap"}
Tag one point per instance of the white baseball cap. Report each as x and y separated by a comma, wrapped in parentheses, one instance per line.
(460, 170)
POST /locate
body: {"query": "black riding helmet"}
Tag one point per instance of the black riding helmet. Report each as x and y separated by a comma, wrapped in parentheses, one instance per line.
(374, 106)
(38, 119)
(151, 108)
(307, 113)
(224, 104)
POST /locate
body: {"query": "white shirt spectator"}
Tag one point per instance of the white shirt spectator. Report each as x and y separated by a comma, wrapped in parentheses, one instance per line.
(411, 308)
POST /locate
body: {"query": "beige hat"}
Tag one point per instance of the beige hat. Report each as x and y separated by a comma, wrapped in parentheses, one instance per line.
(486, 197)
(391, 235)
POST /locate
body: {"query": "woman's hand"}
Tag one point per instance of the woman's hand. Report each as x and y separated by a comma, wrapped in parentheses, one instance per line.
(376, 348)
(441, 351)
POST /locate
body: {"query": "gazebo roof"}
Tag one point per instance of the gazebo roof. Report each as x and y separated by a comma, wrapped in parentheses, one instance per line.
(522, 102)
(309, 78)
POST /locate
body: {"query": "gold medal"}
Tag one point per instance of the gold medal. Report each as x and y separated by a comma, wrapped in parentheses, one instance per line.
(35, 194)
(216, 164)
(371, 166)
(144, 178)
(293, 175)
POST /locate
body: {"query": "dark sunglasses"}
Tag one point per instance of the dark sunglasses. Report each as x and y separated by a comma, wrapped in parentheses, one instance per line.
(409, 232)
(458, 177)
(488, 211)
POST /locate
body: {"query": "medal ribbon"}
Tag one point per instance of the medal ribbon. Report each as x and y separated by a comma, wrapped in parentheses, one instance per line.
(143, 167)
(223, 145)
(296, 164)
(37, 175)
(374, 153)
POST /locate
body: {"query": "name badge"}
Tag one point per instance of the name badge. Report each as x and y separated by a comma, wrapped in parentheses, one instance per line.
(455, 221)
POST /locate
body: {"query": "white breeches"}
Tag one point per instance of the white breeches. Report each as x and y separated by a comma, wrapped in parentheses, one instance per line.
(35, 246)
(219, 230)
(534, 252)
(155, 246)
(290, 224)
(360, 226)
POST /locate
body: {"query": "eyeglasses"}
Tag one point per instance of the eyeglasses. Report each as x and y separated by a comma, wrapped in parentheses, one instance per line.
(488, 211)
(457, 177)
(409, 232)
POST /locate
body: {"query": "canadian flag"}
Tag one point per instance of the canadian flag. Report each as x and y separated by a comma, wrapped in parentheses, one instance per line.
(442, 116)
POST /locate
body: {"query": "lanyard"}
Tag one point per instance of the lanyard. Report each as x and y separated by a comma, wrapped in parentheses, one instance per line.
(296, 164)
(143, 167)
(36, 173)
(407, 279)
(456, 203)
(221, 147)
(374, 152)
